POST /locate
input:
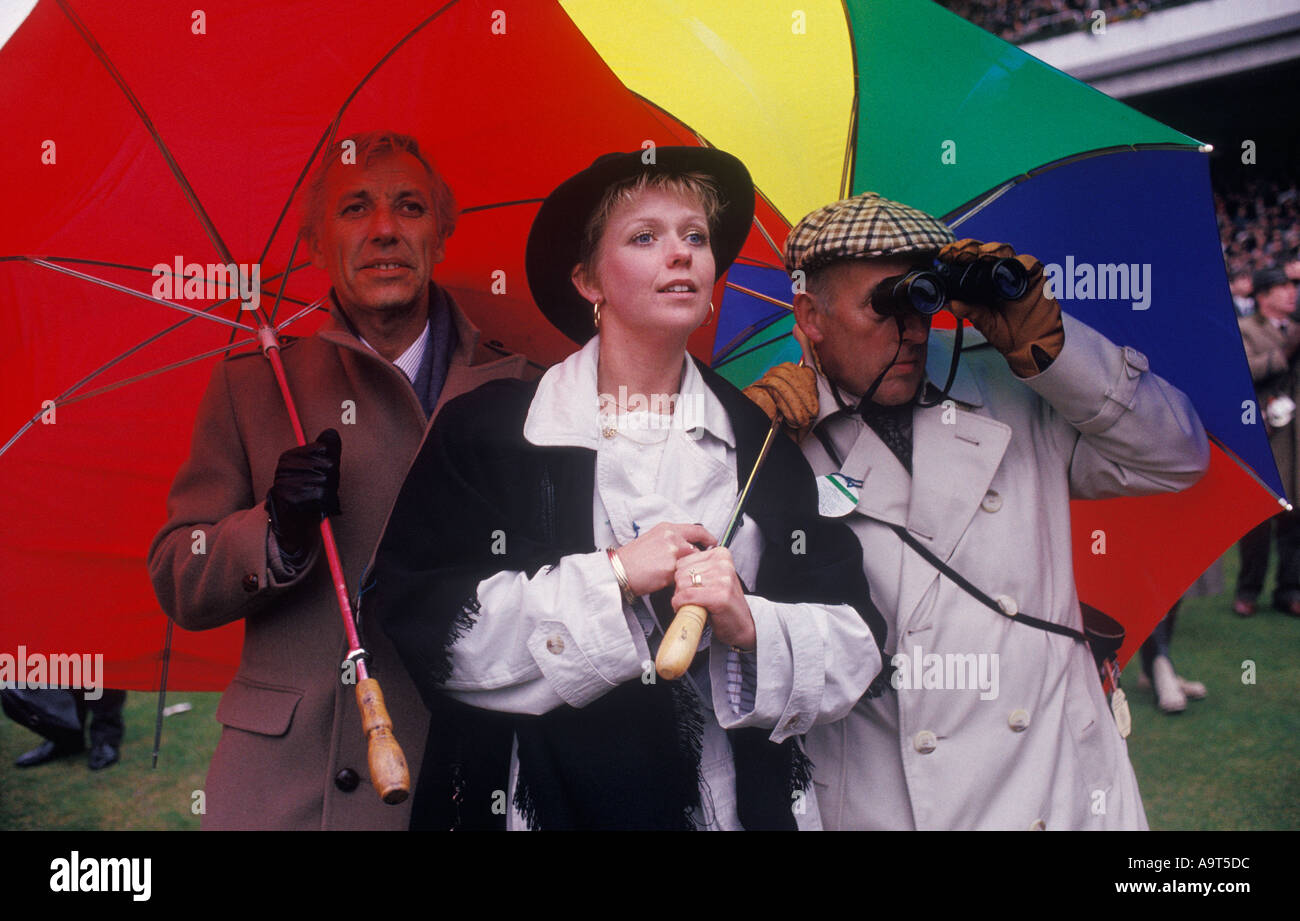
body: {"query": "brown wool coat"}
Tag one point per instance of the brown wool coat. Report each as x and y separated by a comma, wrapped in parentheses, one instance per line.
(1266, 354)
(290, 726)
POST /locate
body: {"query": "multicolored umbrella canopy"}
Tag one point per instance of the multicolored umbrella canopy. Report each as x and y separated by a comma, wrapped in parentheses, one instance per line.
(512, 97)
(908, 100)
(138, 137)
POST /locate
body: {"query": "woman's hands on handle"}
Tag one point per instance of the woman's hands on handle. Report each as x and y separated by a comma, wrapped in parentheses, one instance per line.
(651, 560)
(670, 554)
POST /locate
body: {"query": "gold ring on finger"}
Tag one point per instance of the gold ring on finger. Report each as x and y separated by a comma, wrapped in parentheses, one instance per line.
(696, 579)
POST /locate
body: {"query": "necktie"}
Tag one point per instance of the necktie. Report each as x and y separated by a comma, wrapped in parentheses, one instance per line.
(893, 424)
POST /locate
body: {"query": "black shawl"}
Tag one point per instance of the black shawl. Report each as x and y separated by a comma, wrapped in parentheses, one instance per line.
(631, 758)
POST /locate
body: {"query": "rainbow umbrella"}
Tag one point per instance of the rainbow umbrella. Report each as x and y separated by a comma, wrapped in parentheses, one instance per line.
(131, 142)
(906, 99)
(145, 140)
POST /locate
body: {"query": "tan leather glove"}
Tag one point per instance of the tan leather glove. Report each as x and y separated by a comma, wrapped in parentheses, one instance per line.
(790, 392)
(1027, 332)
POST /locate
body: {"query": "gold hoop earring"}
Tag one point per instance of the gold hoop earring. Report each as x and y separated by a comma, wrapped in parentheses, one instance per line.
(710, 319)
(595, 314)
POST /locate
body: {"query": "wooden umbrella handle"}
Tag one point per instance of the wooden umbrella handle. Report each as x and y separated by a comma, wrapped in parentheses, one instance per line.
(680, 642)
(388, 770)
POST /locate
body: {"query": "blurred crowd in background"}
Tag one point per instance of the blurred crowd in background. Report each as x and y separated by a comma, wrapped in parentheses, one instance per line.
(1258, 216)
(1023, 20)
(1259, 228)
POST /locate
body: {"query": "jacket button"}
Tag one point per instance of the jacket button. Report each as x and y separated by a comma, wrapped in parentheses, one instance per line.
(992, 501)
(250, 582)
(346, 780)
(1038, 825)
(555, 645)
(1019, 720)
(925, 741)
(1008, 605)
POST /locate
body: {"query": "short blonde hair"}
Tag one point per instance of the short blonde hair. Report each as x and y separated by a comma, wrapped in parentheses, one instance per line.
(699, 186)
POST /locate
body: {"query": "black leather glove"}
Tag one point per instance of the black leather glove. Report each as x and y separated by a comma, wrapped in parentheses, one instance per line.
(306, 487)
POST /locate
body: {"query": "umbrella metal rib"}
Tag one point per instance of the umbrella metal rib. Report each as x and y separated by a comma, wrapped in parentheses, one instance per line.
(192, 311)
(64, 398)
(331, 131)
(975, 205)
(195, 205)
(753, 348)
(1215, 440)
(154, 372)
(317, 304)
(67, 397)
(768, 237)
(150, 270)
(758, 294)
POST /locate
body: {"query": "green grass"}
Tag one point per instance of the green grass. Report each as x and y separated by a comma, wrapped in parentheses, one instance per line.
(66, 795)
(1228, 763)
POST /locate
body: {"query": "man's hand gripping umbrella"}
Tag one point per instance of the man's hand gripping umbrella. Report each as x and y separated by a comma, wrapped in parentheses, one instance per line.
(388, 770)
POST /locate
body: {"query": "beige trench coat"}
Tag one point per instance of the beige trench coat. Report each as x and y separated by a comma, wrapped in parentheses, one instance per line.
(1014, 732)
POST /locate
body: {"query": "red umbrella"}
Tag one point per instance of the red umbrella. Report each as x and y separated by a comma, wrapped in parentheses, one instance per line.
(179, 138)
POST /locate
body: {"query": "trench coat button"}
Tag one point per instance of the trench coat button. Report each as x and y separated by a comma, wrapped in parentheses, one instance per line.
(346, 780)
(250, 582)
(1019, 720)
(992, 501)
(1008, 605)
(1038, 825)
(555, 644)
(925, 741)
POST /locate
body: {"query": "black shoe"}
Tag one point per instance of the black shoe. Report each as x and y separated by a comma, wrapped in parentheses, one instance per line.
(46, 751)
(102, 755)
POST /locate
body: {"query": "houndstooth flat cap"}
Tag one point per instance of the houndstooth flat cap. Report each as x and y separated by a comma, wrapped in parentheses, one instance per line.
(862, 227)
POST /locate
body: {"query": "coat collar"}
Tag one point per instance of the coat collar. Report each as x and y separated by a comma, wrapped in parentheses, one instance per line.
(965, 388)
(563, 412)
(1263, 326)
(956, 451)
(339, 330)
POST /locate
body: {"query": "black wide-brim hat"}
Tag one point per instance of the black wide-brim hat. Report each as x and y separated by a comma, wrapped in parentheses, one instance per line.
(556, 235)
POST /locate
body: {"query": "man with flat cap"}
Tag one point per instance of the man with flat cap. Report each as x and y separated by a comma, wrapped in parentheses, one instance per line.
(996, 718)
(1271, 336)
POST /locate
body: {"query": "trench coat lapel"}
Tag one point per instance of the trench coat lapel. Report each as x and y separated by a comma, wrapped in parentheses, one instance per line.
(886, 486)
(956, 451)
(953, 463)
(470, 364)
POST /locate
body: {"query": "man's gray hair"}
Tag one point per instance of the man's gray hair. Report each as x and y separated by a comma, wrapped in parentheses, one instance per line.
(372, 146)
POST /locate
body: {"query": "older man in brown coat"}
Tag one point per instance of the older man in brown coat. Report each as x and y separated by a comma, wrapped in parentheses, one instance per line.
(241, 540)
(1271, 336)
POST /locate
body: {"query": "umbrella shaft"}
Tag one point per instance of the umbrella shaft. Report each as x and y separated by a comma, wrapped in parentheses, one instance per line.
(271, 349)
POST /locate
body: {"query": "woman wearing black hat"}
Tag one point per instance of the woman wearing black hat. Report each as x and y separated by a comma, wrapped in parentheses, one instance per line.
(546, 533)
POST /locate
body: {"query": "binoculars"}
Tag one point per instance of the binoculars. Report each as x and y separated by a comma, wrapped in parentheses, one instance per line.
(925, 291)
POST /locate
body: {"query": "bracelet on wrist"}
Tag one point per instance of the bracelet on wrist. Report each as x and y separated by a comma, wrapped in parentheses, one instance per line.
(621, 575)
